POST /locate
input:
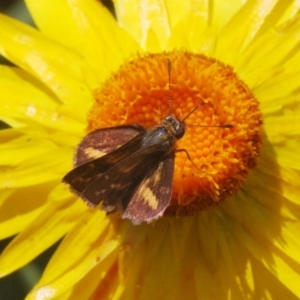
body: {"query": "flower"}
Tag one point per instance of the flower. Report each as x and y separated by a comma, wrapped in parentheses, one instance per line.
(244, 247)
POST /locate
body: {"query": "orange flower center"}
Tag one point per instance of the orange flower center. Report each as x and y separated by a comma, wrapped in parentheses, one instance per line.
(218, 158)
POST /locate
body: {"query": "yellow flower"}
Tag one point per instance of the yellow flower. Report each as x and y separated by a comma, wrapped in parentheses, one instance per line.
(247, 245)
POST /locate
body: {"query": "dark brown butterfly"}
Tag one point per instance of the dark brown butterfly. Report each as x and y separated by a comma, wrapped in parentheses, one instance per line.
(128, 169)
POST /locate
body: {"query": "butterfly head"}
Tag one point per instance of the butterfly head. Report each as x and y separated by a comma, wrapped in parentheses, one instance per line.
(174, 126)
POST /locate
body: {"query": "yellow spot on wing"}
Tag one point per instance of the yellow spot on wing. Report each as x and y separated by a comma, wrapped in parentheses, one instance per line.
(157, 174)
(148, 197)
(93, 153)
(146, 193)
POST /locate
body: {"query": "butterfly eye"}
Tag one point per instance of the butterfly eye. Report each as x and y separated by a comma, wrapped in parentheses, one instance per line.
(180, 131)
(175, 126)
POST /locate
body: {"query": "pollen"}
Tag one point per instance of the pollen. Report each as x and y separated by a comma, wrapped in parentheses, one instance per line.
(223, 135)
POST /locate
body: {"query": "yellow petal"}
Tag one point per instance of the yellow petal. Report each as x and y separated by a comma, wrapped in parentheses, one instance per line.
(33, 103)
(38, 55)
(267, 285)
(287, 157)
(56, 21)
(289, 244)
(281, 128)
(13, 140)
(260, 62)
(194, 33)
(178, 10)
(94, 30)
(288, 265)
(283, 85)
(152, 43)
(56, 219)
(290, 12)
(37, 169)
(183, 31)
(233, 38)
(14, 218)
(217, 17)
(101, 282)
(70, 263)
(140, 18)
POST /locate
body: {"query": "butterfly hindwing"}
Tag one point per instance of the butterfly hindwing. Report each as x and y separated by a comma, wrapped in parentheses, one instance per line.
(98, 141)
(153, 195)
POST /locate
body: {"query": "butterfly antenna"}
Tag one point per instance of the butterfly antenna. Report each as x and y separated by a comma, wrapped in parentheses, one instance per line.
(169, 86)
(215, 114)
(195, 108)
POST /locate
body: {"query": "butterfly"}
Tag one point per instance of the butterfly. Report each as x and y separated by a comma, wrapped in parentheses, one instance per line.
(129, 169)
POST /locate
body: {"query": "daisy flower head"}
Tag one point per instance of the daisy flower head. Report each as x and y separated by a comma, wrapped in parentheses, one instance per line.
(230, 229)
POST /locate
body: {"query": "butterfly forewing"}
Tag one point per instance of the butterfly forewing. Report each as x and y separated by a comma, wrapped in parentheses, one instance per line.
(96, 143)
(103, 141)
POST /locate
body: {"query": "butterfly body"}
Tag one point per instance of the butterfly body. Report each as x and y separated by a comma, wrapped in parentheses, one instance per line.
(128, 169)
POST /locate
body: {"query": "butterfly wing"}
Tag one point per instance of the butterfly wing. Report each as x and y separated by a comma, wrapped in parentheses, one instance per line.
(99, 142)
(153, 195)
(131, 179)
(103, 141)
